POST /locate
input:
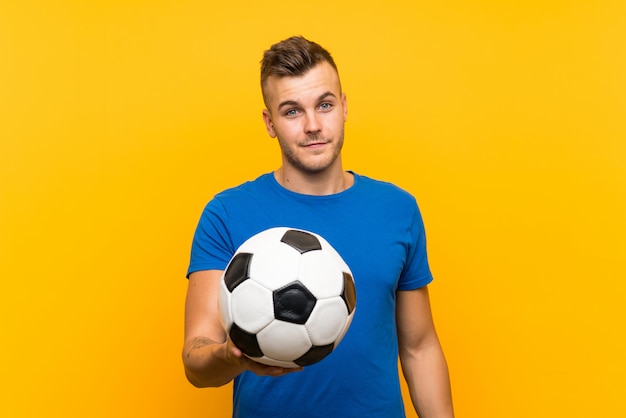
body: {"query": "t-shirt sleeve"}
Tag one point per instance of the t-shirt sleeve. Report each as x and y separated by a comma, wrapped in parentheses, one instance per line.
(212, 247)
(416, 272)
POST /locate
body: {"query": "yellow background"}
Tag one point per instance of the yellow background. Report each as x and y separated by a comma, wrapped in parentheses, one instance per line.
(120, 119)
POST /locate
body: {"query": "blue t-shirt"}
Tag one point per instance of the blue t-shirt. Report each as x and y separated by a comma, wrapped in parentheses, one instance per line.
(378, 230)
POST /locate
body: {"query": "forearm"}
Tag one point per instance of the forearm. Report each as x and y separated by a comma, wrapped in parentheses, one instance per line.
(207, 363)
(426, 372)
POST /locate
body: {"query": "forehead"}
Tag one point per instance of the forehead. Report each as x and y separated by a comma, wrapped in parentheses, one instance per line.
(321, 79)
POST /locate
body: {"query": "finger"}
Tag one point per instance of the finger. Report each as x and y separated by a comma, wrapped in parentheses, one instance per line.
(265, 370)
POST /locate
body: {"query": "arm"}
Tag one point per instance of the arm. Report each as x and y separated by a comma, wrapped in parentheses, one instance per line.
(421, 356)
(209, 357)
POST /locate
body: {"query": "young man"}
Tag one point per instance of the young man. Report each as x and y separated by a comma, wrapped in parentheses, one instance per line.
(375, 226)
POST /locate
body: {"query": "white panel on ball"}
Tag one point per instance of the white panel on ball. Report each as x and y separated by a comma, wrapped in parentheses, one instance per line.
(224, 305)
(273, 338)
(252, 244)
(275, 265)
(327, 321)
(252, 306)
(321, 274)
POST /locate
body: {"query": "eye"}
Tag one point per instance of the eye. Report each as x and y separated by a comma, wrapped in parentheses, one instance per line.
(326, 106)
(291, 113)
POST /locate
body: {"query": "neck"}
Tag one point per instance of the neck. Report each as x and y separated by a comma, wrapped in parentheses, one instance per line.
(317, 184)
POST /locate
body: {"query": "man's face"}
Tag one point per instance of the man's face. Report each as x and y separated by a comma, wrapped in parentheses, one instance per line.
(307, 115)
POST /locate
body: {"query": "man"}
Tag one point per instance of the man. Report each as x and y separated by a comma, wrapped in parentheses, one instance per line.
(375, 226)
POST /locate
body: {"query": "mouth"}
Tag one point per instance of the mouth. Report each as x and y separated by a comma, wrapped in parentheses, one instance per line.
(315, 144)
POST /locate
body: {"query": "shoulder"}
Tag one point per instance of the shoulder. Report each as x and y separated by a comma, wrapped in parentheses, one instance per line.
(381, 189)
(261, 183)
(241, 197)
(245, 194)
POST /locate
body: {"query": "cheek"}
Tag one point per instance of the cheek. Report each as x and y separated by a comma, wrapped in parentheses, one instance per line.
(338, 123)
(287, 131)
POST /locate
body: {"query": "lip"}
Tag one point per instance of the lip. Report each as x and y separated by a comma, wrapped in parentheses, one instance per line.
(317, 144)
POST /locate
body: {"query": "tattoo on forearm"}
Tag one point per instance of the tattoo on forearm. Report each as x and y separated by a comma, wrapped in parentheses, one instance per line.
(198, 343)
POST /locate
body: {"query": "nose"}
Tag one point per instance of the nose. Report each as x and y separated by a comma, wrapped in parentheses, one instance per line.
(312, 123)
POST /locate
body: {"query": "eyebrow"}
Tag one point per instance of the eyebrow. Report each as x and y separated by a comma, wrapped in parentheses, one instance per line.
(295, 103)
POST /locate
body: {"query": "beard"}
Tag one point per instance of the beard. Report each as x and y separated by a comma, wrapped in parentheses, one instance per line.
(311, 163)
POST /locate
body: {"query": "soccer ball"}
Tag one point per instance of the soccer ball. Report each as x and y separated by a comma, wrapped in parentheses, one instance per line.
(286, 298)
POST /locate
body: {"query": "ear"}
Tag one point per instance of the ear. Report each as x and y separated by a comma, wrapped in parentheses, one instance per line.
(269, 125)
(344, 103)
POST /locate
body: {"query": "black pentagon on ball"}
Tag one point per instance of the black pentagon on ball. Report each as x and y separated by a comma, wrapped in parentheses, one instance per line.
(293, 303)
(237, 271)
(315, 354)
(349, 292)
(301, 241)
(245, 341)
